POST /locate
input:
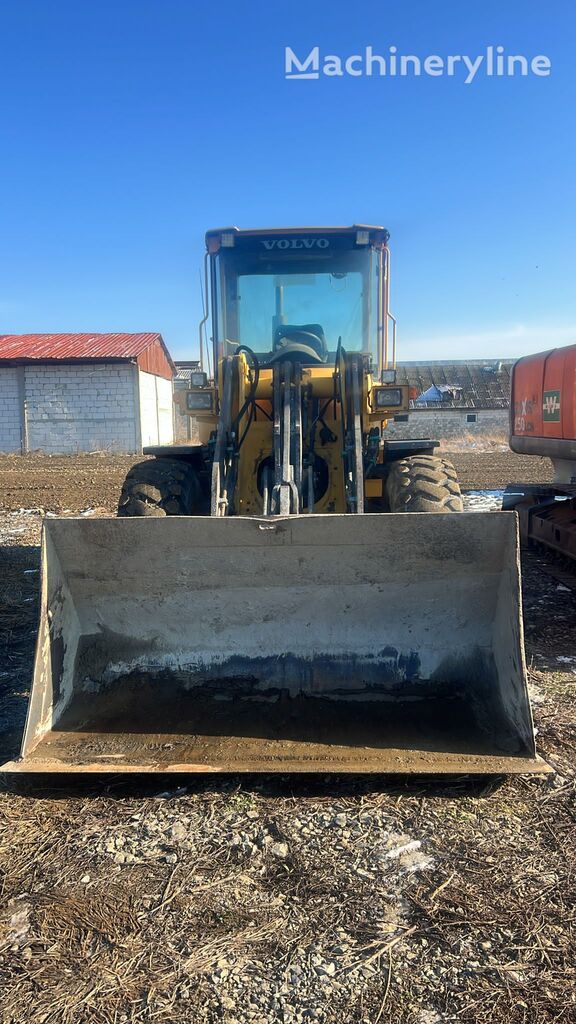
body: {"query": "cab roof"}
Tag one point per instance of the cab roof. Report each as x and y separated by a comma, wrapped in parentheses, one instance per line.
(377, 233)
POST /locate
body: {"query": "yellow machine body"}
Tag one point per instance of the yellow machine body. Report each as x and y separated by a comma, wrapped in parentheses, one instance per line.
(318, 383)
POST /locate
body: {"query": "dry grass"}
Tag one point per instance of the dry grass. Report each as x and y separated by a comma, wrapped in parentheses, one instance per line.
(477, 441)
(485, 934)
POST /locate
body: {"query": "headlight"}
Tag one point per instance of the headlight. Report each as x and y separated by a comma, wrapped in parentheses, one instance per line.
(198, 379)
(199, 401)
(388, 377)
(387, 398)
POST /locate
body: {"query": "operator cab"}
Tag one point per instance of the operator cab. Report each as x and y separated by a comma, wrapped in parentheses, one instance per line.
(298, 293)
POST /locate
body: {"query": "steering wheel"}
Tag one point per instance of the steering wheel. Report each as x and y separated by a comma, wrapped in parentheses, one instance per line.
(298, 334)
(290, 338)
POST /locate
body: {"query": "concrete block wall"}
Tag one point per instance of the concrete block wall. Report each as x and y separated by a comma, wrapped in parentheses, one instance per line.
(10, 426)
(69, 407)
(75, 407)
(449, 423)
(156, 416)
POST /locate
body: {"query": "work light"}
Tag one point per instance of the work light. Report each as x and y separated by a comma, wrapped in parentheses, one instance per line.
(199, 401)
(387, 398)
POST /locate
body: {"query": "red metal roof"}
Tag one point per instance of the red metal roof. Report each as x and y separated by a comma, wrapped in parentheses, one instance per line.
(77, 346)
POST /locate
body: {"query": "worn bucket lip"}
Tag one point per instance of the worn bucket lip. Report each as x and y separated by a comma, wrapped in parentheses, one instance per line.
(393, 762)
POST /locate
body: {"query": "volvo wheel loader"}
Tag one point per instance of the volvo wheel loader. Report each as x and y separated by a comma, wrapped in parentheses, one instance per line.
(280, 596)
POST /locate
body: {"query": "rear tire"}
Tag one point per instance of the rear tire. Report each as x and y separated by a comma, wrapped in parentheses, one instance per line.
(160, 487)
(423, 483)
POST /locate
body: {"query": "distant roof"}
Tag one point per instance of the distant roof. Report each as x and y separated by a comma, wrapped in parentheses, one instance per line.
(185, 367)
(79, 346)
(461, 383)
(493, 364)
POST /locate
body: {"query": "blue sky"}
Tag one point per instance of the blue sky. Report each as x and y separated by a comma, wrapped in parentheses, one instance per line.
(128, 128)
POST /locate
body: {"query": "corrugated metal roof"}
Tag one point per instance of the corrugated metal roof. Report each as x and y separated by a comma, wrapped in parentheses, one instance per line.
(474, 388)
(185, 367)
(76, 346)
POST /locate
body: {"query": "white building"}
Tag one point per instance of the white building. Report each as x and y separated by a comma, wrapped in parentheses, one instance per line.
(84, 392)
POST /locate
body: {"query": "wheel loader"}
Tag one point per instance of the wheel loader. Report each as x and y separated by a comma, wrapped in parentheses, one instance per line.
(297, 591)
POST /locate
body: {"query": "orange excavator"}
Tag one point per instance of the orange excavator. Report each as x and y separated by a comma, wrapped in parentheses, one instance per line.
(543, 422)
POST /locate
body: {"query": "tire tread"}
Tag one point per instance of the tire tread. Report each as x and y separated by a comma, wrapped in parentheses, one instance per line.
(423, 483)
(159, 487)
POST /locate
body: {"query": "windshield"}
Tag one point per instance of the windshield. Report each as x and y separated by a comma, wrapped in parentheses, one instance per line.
(336, 293)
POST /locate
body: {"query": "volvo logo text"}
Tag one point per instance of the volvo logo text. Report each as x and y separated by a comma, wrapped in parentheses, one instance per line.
(295, 243)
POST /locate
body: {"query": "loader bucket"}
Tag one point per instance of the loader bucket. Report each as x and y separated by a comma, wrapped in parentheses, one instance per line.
(375, 643)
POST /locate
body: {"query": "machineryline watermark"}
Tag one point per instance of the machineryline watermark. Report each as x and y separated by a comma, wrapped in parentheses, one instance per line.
(494, 62)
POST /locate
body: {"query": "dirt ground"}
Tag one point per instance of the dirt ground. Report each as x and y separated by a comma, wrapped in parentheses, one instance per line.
(250, 900)
(60, 482)
(54, 483)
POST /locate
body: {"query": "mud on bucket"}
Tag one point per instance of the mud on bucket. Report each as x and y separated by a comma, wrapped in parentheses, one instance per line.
(375, 643)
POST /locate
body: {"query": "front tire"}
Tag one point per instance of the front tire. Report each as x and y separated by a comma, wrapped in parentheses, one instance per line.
(423, 483)
(160, 487)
